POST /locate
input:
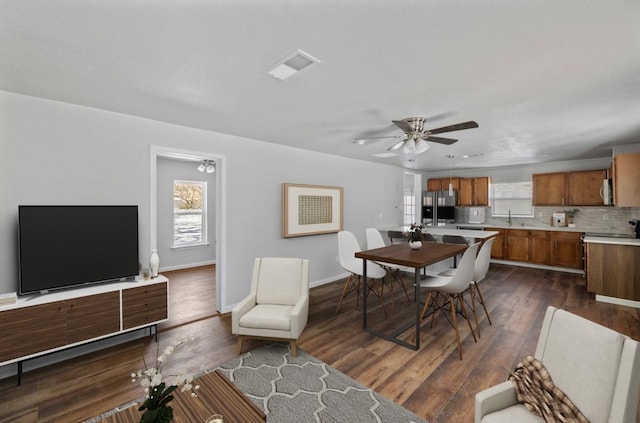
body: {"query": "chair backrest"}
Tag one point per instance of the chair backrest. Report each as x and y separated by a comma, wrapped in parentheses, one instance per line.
(597, 367)
(428, 238)
(396, 235)
(280, 280)
(347, 246)
(454, 239)
(374, 239)
(483, 260)
(463, 274)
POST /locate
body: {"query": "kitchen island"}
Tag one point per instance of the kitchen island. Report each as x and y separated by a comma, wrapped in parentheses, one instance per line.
(613, 269)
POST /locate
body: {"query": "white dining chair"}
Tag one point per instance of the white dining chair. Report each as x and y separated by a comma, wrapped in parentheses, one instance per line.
(348, 246)
(394, 271)
(451, 287)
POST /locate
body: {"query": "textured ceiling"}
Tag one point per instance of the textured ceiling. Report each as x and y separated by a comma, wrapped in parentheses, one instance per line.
(545, 80)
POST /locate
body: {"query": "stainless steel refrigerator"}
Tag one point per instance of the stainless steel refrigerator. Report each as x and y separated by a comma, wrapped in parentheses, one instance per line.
(438, 208)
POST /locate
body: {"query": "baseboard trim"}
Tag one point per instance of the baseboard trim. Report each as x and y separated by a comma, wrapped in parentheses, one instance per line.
(187, 266)
(618, 301)
(539, 266)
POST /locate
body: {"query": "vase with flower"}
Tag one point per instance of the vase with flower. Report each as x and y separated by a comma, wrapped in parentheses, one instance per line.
(415, 236)
(156, 408)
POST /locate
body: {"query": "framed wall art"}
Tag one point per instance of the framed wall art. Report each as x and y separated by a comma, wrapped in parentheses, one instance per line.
(311, 209)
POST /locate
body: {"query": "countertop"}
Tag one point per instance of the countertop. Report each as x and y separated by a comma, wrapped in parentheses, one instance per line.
(612, 240)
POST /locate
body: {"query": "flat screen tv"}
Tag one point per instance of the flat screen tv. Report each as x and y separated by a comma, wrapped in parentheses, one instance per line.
(67, 246)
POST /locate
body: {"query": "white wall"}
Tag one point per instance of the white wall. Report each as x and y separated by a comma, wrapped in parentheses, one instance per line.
(58, 153)
(168, 171)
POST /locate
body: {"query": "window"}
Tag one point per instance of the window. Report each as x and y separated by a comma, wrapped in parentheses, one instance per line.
(189, 213)
(409, 207)
(512, 197)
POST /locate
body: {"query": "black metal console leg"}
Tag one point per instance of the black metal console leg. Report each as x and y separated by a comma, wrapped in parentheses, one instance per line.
(19, 372)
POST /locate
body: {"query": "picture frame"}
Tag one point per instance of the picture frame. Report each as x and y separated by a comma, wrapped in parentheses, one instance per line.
(311, 209)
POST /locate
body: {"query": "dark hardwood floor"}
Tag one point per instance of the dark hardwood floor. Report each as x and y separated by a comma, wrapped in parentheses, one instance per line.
(432, 382)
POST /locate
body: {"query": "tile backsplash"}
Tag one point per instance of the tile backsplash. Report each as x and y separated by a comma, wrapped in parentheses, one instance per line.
(588, 219)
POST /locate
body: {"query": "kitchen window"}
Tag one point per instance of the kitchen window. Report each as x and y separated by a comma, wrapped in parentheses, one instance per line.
(189, 213)
(515, 198)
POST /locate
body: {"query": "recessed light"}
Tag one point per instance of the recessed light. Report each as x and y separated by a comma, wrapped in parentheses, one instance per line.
(359, 141)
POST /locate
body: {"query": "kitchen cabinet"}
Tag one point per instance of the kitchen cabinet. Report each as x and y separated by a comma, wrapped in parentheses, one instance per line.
(580, 188)
(517, 245)
(497, 249)
(555, 248)
(613, 270)
(626, 174)
(539, 247)
(549, 189)
(442, 184)
(566, 249)
(474, 191)
(585, 187)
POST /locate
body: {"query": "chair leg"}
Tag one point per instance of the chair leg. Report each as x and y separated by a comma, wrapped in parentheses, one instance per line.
(426, 306)
(465, 315)
(348, 286)
(472, 294)
(240, 341)
(455, 323)
(481, 299)
(294, 347)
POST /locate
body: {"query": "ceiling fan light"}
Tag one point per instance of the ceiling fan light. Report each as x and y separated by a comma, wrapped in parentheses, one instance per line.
(202, 167)
(211, 167)
(421, 146)
(409, 147)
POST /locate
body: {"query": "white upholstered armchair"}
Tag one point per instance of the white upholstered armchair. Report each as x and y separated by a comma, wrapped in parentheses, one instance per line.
(278, 304)
(596, 367)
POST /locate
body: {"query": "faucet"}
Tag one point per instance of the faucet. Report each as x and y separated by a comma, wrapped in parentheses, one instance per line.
(509, 218)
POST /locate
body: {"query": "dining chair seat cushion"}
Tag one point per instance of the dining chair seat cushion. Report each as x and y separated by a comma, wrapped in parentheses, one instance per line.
(268, 316)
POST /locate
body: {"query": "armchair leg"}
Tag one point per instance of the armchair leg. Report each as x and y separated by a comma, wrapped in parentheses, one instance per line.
(294, 347)
(240, 341)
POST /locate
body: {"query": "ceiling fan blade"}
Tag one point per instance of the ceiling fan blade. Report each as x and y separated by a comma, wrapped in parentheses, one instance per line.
(440, 140)
(397, 145)
(376, 138)
(456, 127)
(403, 125)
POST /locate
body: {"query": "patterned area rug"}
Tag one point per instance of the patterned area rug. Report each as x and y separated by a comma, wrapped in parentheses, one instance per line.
(304, 389)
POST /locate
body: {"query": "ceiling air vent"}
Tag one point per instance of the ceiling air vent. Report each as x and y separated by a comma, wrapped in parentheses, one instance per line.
(291, 65)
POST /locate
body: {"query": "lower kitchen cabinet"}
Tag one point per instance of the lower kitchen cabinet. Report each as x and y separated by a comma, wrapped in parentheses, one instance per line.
(497, 249)
(555, 248)
(566, 249)
(613, 270)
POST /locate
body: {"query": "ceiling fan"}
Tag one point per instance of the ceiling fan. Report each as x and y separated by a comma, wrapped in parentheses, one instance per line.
(414, 140)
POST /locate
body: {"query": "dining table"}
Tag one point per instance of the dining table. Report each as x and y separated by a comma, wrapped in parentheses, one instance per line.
(402, 254)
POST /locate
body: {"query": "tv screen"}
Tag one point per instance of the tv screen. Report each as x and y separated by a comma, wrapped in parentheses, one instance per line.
(66, 246)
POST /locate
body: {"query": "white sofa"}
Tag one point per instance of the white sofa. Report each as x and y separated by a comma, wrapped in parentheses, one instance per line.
(598, 368)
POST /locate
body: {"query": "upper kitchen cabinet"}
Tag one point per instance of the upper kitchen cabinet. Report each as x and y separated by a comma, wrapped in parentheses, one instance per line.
(626, 174)
(474, 191)
(442, 184)
(549, 189)
(581, 188)
(585, 188)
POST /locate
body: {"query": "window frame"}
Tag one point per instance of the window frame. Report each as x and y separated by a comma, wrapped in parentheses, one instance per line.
(493, 201)
(203, 213)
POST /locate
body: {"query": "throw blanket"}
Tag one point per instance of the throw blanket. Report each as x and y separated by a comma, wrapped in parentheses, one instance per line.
(535, 389)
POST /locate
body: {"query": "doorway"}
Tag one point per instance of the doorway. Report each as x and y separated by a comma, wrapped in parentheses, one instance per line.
(157, 153)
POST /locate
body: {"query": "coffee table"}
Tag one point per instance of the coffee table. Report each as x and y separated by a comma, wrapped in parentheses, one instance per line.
(217, 394)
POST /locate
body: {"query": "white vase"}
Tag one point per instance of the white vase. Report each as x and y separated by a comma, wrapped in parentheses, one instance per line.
(415, 244)
(154, 263)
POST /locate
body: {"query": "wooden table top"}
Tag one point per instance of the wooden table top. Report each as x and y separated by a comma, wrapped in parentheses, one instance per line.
(402, 254)
(216, 395)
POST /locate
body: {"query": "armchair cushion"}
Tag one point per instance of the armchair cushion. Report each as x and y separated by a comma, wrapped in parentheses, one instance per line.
(278, 281)
(268, 316)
